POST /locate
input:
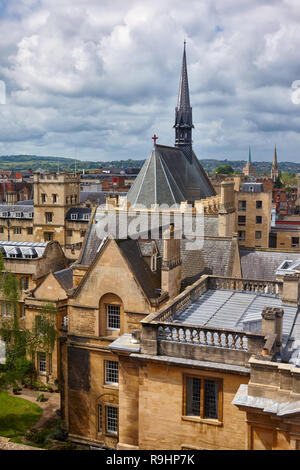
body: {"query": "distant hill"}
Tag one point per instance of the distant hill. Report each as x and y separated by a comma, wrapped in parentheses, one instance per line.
(25, 162)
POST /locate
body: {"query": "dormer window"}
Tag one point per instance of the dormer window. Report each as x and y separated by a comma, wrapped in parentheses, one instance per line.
(73, 216)
(154, 261)
(18, 214)
(86, 216)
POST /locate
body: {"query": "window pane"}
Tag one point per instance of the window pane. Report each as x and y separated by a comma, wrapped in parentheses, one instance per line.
(211, 399)
(112, 419)
(111, 372)
(113, 317)
(193, 389)
(100, 418)
(42, 366)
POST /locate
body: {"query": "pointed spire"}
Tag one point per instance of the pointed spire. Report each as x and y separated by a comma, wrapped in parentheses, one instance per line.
(275, 157)
(183, 113)
(249, 156)
(184, 94)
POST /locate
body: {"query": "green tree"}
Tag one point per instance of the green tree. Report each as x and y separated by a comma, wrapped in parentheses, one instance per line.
(277, 183)
(288, 178)
(21, 343)
(224, 170)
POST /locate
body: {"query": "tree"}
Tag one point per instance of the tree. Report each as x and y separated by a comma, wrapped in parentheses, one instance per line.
(224, 170)
(277, 183)
(288, 178)
(21, 343)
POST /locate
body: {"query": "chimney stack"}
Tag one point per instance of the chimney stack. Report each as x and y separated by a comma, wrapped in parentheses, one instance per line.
(171, 263)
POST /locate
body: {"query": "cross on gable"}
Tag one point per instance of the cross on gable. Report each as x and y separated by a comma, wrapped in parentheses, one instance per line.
(155, 138)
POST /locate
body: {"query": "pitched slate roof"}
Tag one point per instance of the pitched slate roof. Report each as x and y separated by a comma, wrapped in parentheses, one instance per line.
(149, 280)
(22, 249)
(16, 211)
(263, 264)
(167, 177)
(65, 277)
(81, 214)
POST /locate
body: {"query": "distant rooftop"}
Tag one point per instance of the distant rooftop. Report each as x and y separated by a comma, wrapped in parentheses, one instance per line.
(252, 187)
(28, 250)
(235, 310)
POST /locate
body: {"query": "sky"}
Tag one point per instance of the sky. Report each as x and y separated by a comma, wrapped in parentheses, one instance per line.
(95, 79)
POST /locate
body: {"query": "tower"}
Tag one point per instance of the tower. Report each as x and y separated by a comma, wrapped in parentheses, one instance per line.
(54, 194)
(275, 170)
(183, 114)
(249, 169)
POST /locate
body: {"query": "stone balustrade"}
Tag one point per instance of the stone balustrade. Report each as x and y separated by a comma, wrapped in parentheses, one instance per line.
(213, 282)
(248, 285)
(202, 335)
(183, 300)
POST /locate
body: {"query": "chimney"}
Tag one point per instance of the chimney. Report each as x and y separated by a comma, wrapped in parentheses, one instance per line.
(290, 289)
(237, 182)
(171, 263)
(272, 318)
(227, 209)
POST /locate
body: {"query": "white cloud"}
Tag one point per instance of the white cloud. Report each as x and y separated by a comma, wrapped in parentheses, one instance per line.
(103, 76)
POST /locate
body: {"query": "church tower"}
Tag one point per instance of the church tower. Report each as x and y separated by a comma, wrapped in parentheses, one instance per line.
(275, 170)
(183, 114)
(249, 168)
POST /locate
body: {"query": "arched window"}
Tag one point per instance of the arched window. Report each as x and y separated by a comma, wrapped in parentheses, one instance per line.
(110, 315)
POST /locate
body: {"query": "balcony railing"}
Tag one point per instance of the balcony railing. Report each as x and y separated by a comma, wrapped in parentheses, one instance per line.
(201, 335)
(273, 288)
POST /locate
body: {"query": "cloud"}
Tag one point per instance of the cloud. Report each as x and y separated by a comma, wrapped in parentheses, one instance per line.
(102, 77)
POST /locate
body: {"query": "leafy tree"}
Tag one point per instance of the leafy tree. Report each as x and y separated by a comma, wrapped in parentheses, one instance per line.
(22, 343)
(277, 183)
(288, 178)
(224, 170)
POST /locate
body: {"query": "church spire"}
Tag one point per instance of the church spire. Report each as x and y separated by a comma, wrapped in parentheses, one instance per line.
(249, 156)
(275, 174)
(183, 113)
(184, 95)
(275, 157)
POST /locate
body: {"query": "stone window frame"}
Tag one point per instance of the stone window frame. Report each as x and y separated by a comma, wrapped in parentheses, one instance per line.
(22, 310)
(100, 418)
(110, 371)
(42, 362)
(110, 299)
(109, 432)
(48, 236)
(242, 238)
(113, 317)
(242, 224)
(258, 217)
(48, 217)
(17, 230)
(242, 205)
(104, 402)
(258, 234)
(201, 418)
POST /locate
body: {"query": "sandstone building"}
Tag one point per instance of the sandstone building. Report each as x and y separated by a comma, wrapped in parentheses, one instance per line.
(55, 214)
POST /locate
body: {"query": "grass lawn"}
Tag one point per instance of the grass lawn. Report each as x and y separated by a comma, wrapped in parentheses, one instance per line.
(17, 416)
